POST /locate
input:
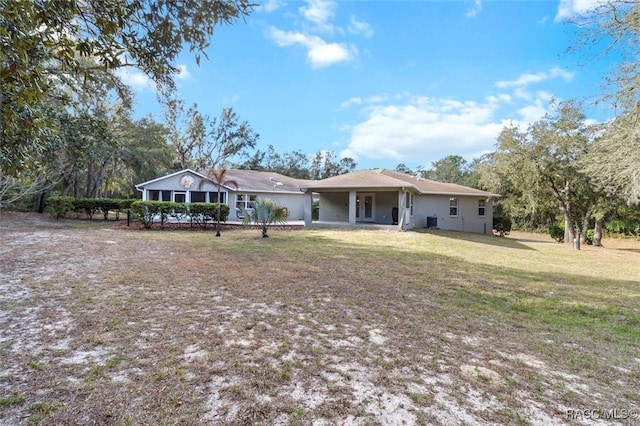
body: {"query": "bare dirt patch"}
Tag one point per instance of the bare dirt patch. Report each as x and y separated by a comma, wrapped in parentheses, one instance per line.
(105, 325)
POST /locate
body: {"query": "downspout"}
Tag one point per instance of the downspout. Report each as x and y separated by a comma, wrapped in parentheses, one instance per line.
(144, 193)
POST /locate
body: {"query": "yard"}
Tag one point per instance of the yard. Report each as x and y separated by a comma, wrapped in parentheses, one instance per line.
(100, 324)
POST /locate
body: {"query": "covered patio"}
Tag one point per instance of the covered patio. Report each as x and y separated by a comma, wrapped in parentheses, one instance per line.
(360, 199)
(392, 199)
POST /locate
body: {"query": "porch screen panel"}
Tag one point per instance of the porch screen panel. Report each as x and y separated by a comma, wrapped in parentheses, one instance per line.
(198, 197)
(213, 197)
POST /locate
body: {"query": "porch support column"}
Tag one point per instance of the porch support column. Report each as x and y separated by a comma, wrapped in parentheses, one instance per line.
(401, 209)
(352, 207)
(308, 209)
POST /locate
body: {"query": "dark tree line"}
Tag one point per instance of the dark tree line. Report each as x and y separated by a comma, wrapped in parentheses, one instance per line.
(296, 164)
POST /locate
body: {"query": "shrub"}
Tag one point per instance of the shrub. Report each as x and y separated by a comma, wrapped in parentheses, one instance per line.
(177, 211)
(588, 239)
(108, 204)
(501, 221)
(60, 205)
(617, 227)
(557, 233)
(146, 211)
(224, 212)
(201, 213)
(502, 225)
(208, 212)
(89, 205)
(126, 203)
(149, 212)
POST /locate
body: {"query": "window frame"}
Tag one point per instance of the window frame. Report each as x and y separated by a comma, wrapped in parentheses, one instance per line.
(245, 201)
(454, 203)
(213, 197)
(482, 208)
(197, 195)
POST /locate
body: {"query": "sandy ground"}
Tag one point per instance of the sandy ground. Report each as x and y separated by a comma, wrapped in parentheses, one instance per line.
(77, 347)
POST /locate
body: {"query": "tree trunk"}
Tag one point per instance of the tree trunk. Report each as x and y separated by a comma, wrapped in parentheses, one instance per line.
(40, 197)
(218, 214)
(597, 235)
(566, 210)
(585, 226)
(563, 197)
(569, 229)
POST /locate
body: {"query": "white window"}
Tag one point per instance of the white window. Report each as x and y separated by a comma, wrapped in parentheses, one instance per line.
(482, 204)
(245, 201)
(453, 207)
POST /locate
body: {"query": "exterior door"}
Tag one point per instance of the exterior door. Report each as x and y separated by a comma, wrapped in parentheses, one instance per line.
(179, 197)
(364, 207)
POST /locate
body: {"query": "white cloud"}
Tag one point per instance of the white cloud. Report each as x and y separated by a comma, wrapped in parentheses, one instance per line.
(569, 9)
(135, 79)
(522, 93)
(140, 82)
(544, 95)
(320, 12)
(319, 52)
(271, 5)
(360, 27)
(533, 112)
(425, 129)
(419, 130)
(183, 72)
(313, 31)
(356, 100)
(532, 78)
(475, 9)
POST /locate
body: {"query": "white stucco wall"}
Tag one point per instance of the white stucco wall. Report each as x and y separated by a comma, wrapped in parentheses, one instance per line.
(334, 207)
(384, 204)
(293, 202)
(467, 220)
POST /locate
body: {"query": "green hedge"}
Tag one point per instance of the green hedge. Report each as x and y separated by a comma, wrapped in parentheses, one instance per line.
(150, 212)
(60, 205)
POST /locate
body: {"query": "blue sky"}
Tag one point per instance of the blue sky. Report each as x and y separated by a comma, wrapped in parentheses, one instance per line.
(389, 82)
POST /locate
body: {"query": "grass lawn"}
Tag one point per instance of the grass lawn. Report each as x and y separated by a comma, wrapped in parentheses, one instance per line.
(105, 325)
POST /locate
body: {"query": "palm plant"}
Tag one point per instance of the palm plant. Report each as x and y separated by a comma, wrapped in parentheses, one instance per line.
(219, 178)
(266, 212)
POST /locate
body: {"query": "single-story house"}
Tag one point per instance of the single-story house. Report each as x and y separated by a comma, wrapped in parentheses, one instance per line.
(184, 187)
(393, 198)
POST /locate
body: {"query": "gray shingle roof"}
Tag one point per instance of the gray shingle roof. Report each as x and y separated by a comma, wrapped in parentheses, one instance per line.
(382, 178)
(256, 181)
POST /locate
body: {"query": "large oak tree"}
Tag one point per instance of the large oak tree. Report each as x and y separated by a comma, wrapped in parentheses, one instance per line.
(46, 42)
